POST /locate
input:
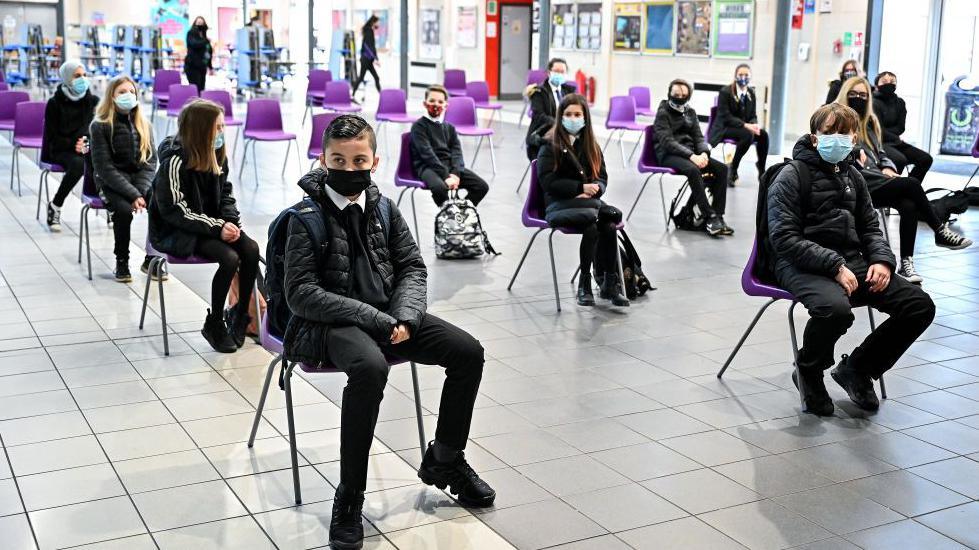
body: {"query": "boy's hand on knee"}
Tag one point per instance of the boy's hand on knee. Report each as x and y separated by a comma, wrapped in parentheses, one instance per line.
(879, 276)
(847, 279)
(399, 334)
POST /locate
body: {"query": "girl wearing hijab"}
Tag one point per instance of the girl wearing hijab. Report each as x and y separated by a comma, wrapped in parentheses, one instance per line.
(198, 60)
(66, 119)
(368, 53)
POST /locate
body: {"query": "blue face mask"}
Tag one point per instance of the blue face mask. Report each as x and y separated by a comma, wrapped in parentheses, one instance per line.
(573, 125)
(79, 85)
(557, 79)
(833, 148)
(743, 81)
(219, 140)
(126, 102)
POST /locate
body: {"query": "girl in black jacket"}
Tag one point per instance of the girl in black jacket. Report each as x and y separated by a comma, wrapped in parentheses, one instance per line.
(737, 119)
(199, 51)
(124, 161)
(892, 113)
(193, 213)
(66, 119)
(572, 175)
(368, 53)
(849, 70)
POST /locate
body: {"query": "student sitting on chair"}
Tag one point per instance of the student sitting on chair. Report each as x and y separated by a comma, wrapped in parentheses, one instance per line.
(544, 100)
(737, 119)
(831, 256)
(436, 152)
(365, 301)
(681, 146)
(892, 112)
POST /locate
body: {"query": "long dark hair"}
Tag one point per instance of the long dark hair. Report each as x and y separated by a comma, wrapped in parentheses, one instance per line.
(561, 139)
(195, 130)
(370, 23)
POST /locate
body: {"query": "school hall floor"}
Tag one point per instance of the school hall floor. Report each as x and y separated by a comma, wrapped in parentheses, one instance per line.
(598, 427)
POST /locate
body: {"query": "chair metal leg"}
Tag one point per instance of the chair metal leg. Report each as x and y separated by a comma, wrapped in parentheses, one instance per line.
(525, 172)
(492, 154)
(88, 245)
(291, 420)
(873, 327)
(523, 258)
(401, 195)
(621, 148)
(299, 156)
(13, 160)
(574, 275)
(744, 336)
(638, 196)
(795, 355)
(550, 248)
(608, 140)
(234, 151)
(285, 159)
(166, 130)
(81, 226)
(479, 145)
(309, 108)
(635, 148)
(414, 213)
(163, 307)
(261, 399)
(422, 441)
(244, 156)
(255, 162)
(972, 176)
(154, 264)
(42, 184)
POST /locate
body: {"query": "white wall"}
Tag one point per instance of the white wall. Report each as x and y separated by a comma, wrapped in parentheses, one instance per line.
(903, 51)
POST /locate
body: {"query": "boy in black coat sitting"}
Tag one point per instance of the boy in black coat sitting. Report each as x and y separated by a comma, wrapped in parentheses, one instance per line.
(363, 302)
(436, 152)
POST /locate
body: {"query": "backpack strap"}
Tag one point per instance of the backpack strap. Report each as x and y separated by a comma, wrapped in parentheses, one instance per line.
(384, 211)
(805, 183)
(310, 215)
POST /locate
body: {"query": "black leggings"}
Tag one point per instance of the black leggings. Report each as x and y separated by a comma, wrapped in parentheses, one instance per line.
(367, 65)
(598, 239)
(240, 256)
(903, 154)
(74, 165)
(907, 197)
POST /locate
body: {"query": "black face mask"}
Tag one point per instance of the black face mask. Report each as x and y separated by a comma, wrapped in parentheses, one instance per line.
(348, 182)
(887, 89)
(858, 104)
(676, 100)
(201, 26)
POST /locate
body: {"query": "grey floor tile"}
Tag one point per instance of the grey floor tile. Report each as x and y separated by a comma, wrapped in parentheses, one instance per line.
(526, 447)
(512, 489)
(138, 542)
(15, 531)
(70, 486)
(622, 401)
(110, 373)
(274, 490)
(541, 524)
(240, 533)
(222, 430)
(905, 493)
(464, 533)
(646, 461)
(9, 498)
(400, 508)
(677, 392)
(903, 534)
(56, 455)
(957, 523)
(85, 523)
(898, 449)
(624, 507)
(151, 473)
(48, 427)
(108, 395)
(302, 527)
(237, 459)
(188, 505)
(765, 524)
(196, 407)
(35, 404)
(687, 533)
(953, 436)
(958, 474)
(713, 448)
(20, 384)
(701, 491)
(607, 542)
(597, 435)
(837, 462)
(142, 442)
(838, 509)
(664, 423)
(943, 403)
(128, 417)
(568, 476)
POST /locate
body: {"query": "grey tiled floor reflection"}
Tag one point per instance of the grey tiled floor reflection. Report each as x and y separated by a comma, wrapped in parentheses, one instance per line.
(599, 428)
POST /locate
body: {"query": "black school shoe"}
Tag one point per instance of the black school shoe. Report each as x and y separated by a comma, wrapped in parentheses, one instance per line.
(122, 273)
(346, 525)
(817, 399)
(461, 479)
(733, 180)
(157, 274)
(858, 385)
(216, 333)
(237, 325)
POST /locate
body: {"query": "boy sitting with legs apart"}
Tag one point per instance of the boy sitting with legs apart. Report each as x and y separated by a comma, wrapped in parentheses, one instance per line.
(436, 152)
(364, 302)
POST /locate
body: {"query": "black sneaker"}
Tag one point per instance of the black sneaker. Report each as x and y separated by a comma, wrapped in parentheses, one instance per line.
(346, 525)
(946, 238)
(122, 273)
(858, 386)
(459, 477)
(216, 333)
(818, 401)
(157, 274)
(726, 229)
(54, 218)
(714, 226)
(237, 325)
(734, 178)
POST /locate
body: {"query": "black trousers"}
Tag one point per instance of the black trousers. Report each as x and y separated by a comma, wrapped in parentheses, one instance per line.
(904, 154)
(434, 342)
(744, 139)
(122, 221)
(365, 66)
(240, 256)
(694, 175)
(908, 198)
(910, 308)
(74, 165)
(197, 77)
(468, 180)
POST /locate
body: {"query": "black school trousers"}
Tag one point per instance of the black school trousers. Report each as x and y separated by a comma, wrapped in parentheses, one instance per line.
(695, 177)
(468, 180)
(904, 154)
(434, 342)
(74, 165)
(907, 197)
(910, 308)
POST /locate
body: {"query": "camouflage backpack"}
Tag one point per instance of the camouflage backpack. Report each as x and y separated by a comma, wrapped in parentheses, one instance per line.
(458, 231)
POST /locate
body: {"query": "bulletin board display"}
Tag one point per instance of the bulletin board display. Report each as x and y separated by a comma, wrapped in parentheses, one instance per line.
(563, 27)
(589, 27)
(659, 27)
(734, 25)
(628, 28)
(466, 25)
(693, 27)
(430, 25)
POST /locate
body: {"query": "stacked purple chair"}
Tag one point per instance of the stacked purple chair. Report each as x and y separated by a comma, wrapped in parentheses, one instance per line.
(533, 218)
(263, 122)
(8, 108)
(91, 200)
(223, 98)
(648, 164)
(621, 119)
(180, 95)
(461, 113)
(320, 122)
(643, 100)
(162, 80)
(28, 133)
(753, 286)
(534, 76)
(479, 92)
(455, 82)
(316, 89)
(336, 97)
(393, 107)
(406, 179)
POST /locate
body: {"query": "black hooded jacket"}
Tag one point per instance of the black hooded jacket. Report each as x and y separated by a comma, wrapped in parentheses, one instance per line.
(837, 226)
(892, 113)
(199, 50)
(678, 133)
(317, 292)
(186, 204)
(65, 121)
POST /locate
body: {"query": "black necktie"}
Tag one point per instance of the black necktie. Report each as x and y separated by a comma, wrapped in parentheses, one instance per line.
(744, 101)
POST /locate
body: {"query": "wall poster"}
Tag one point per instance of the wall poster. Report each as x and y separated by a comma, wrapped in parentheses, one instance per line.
(734, 28)
(563, 27)
(173, 18)
(589, 27)
(430, 46)
(693, 27)
(466, 27)
(659, 27)
(628, 28)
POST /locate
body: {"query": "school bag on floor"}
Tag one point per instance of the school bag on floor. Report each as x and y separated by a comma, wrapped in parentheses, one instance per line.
(688, 217)
(636, 282)
(458, 232)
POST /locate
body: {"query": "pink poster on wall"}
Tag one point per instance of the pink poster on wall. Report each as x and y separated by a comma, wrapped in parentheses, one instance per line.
(229, 20)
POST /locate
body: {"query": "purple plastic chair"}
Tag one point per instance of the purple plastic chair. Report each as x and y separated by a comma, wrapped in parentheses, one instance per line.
(622, 118)
(180, 95)
(753, 286)
(461, 113)
(47, 169)
(8, 108)
(263, 122)
(454, 81)
(648, 164)
(223, 98)
(320, 123)
(28, 133)
(534, 76)
(405, 177)
(533, 218)
(710, 126)
(4, 86)
(336, 97)
(316, 89)
(162, 80)
(392, 107)
(643, 100)
(90, 201)
(479, 92)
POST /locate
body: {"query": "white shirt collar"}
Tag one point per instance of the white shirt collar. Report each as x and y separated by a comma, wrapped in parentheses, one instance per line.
(742, 91)
(435, 120)
(343, 202)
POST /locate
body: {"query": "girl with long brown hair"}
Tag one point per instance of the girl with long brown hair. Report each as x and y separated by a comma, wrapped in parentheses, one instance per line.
(571, 170)
(193, 213)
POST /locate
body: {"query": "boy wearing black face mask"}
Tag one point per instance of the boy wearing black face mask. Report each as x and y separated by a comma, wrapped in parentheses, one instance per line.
(436, 152)
(363, 302)
(891, 111)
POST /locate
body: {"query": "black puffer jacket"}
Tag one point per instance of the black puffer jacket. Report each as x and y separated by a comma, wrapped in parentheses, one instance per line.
(115, 158)
(678, 133)
(318, 294)
(562, 186)
(872, 169)
(837, 226)
(187, 204)
(65, 121)
(893, 114)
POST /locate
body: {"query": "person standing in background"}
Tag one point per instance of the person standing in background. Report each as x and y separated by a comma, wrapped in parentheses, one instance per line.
(199, 50)
(368, 53)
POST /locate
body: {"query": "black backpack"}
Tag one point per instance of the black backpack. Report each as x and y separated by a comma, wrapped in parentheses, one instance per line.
(636, 282)
(949, 204)
(764, 266)
(309, 213)
(688, 217)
